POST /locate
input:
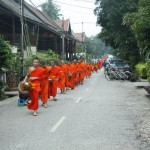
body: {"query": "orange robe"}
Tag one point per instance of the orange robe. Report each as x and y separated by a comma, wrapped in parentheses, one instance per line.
(82, 71)
(54, 72)
(62, 77)
(76, 73)
(96, 67)
(45, 84)
(89, 70)
(71, 76)
(35, 87)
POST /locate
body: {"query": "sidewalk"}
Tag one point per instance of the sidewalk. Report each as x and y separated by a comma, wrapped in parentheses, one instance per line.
(12, 93)
(142, 83)
(9, 100)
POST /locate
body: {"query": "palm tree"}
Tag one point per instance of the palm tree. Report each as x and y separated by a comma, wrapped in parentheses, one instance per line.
(51, 9)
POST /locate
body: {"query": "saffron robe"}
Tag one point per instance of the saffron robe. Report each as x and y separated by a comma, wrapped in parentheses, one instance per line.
(45, 84)
(54, 72)
(35, 87)
(62, 77)
(71, 76)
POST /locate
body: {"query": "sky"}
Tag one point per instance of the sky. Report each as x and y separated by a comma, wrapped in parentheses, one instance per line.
(82, 13)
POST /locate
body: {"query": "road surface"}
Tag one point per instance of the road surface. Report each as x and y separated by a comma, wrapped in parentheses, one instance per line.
(98, 115)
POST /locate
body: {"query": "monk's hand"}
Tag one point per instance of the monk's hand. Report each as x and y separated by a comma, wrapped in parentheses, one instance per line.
(33, 78)
(23, 82)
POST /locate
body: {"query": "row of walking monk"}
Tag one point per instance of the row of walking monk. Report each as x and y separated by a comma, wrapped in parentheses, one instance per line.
(44, 80)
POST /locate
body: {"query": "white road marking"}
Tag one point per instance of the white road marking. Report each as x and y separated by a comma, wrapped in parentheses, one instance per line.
(78, 100)
(58, 124)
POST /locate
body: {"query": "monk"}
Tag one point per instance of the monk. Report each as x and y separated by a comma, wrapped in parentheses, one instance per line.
(89, 69)
(45, 84)
(82, 71)
(95, 67)
(53, 79)
(71, 76)
(34, 75)
(62, 77)
(76, 72)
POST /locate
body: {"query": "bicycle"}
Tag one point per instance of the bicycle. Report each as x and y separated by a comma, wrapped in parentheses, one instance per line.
(118, 75)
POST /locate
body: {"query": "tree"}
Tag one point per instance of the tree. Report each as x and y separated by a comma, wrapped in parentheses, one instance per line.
(139, 23)
(51, 9)
(5, 61)
(79, 48)
(114, 33)
(95, 47)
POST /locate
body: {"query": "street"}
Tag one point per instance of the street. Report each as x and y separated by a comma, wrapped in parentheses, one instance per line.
(98, 115)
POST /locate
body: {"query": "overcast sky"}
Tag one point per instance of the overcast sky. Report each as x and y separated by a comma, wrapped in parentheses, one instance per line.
(77, 15)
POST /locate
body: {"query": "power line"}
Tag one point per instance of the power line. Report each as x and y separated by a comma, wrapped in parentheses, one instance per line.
(75, 11)
(84, 22)
(32, 3)
(74, 5)
(84, 1)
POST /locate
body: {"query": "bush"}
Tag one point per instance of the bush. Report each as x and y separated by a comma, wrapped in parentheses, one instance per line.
(45, 56)
(6, 56)
(148, 71)
(141, 70)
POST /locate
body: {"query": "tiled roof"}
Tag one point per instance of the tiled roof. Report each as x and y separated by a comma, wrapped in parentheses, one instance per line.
(80, 36)
(15, 8)
(63, 24)
(46, 19)
(31, 13)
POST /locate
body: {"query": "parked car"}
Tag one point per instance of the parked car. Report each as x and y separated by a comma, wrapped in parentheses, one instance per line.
(120, 66)
(111, 61)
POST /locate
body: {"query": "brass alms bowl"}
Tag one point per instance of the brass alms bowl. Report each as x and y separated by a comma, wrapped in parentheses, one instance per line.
(24, 87)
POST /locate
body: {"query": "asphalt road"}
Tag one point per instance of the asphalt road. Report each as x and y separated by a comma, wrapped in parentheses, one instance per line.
(98, 115)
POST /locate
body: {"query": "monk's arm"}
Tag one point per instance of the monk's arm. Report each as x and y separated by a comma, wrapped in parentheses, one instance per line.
(27, 76)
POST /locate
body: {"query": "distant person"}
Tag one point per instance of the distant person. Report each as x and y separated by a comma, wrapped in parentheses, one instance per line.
(104, 64)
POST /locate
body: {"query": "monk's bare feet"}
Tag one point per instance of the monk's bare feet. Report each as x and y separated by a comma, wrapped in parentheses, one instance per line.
(35, 113)
(45, 105)
(55, 99)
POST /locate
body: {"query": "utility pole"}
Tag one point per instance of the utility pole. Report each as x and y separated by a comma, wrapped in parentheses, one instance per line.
(82, 39)
(63, 40)
(83, 43)
(22, 33)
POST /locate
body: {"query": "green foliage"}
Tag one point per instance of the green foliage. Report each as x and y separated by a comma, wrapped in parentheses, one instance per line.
(139, 23)
(45, 56)
(16, 66)
(79, 48)
(95, 47)
(51, 9)
(148, 71)
(5, 61)
(6, 54)
(2, 93)
(141, 70)
(114, 33)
